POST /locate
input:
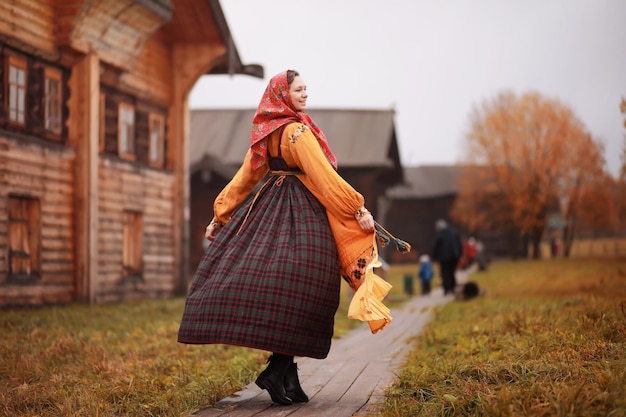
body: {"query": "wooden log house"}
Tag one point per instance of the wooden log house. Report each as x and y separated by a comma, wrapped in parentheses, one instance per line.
(94, 128)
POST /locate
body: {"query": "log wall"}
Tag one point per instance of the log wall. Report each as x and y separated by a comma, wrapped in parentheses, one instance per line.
(133, 49)
(147, 191)
(152, 73)
(45, 173)
(29, 23)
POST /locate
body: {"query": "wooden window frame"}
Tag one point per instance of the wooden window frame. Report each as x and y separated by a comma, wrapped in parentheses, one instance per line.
(53, 112)
(132, 259)
(24, 239)
(156, 134)
(128, 129)
(20, 63)
(102, 123)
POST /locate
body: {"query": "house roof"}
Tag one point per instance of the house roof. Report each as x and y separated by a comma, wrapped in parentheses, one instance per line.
(359, 138)
(427, 181)
(231, 63)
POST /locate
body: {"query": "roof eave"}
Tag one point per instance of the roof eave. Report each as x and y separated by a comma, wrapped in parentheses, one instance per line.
(232, 64)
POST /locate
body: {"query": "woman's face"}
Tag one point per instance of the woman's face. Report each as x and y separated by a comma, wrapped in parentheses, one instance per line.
(297, 93)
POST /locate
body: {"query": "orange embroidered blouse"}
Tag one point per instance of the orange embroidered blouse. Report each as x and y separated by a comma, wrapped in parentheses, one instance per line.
(357, 250)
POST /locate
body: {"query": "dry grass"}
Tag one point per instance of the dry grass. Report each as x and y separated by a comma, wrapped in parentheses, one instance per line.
(548, 339)
(596, 247)
(113, 360)
(118, 360)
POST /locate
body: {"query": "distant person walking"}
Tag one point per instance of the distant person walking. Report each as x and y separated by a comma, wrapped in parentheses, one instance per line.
(425, 273)
(447, 252)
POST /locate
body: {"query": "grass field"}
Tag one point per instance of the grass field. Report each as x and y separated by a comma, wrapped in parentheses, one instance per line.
(598, 247)
(548, 339)
(119, 360)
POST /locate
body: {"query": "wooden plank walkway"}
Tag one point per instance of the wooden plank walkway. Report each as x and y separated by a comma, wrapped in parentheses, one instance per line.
(354, 376)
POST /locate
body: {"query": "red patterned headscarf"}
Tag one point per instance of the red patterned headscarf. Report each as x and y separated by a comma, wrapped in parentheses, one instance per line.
(275, 110)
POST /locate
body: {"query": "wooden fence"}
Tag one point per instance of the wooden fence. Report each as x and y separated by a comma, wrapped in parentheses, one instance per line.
(581, 248)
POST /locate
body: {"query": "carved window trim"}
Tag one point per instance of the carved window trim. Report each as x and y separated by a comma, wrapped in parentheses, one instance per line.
(53, 100)
(102, 123)
(126, 131)
(17, 88)
(156, 151)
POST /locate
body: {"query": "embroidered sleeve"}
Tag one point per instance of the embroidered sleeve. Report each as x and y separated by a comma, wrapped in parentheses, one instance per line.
(296, 133)
(320, 177)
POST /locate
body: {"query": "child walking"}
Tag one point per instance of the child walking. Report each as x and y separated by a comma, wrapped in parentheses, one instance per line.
(425, 273)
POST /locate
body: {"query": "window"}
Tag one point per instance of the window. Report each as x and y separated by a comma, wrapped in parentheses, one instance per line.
(102, 122)
(24, 238)
(126, 132)
(52, 100)
(157, 140)
(131, 257)
(17, 90)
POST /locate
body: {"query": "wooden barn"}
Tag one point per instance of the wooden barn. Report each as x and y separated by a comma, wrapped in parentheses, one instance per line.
(427, 195)
(94, 132)
(364, 142)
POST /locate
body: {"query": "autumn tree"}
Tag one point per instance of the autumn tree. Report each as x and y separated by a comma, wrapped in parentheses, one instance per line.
(527, 156)
(621, 181)
(622, 172)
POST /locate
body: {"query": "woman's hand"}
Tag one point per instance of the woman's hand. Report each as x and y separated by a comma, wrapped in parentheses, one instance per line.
(366, 222)
(211, 230)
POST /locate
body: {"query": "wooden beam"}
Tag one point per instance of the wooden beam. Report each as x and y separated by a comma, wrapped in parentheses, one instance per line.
(84, 135)
(194, 61)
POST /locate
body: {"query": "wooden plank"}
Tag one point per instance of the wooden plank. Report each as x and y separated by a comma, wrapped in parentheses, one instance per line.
(41, 173)
(152, 72)
(32, 15)
(65, 255)
(35, 294)
(160, 259)
(53, 220)
(58, 210)
(58, 198)
(18, 183)
(37, 155)
(84, 133)
(59, 268)
(59, 278)
(30, 22)
(52, 245)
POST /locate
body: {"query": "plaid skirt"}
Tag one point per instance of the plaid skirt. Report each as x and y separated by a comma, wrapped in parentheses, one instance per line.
(270, 280)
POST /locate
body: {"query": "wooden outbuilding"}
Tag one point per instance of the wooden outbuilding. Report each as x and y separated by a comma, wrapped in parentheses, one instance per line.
(94, 132)
(428, 194)
(364, 142)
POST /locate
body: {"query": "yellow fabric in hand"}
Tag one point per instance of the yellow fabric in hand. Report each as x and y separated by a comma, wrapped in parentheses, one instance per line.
(366, 304)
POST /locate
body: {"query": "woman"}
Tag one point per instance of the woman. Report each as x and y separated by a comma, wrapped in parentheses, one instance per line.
(270, 277)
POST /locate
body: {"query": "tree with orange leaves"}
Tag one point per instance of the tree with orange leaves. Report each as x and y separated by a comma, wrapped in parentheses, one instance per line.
(528, 156)
(621, 181)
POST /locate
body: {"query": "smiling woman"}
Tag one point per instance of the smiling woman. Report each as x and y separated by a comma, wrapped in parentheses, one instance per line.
(270, 278)
(297, 90)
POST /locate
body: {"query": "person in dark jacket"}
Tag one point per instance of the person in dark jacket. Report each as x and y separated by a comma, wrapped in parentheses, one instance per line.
(447, 252)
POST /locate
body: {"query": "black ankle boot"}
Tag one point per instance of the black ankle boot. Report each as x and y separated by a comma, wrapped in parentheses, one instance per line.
(272, 378)
(292, 385)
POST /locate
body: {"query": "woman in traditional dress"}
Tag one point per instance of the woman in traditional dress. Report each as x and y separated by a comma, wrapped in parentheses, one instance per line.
(270, 278)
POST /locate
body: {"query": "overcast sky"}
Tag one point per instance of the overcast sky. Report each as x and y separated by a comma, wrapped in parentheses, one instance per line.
(433, 61)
